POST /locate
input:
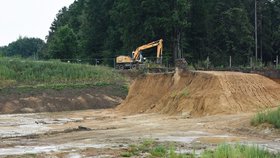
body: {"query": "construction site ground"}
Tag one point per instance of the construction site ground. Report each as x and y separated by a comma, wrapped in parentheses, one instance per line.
(109, 133)
(193, 111)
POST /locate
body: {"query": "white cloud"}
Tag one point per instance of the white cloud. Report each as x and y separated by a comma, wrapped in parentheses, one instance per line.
(31, 18)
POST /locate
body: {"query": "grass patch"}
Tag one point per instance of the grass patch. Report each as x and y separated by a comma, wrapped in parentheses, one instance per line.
(19, 73)
(152, 149)
(159, 151)
(127, 154)
(271, 117)
(238, 151)
(58, 87)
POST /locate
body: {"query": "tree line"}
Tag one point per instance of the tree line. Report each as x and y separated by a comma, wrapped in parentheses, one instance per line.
(24, 47)
(193, 29)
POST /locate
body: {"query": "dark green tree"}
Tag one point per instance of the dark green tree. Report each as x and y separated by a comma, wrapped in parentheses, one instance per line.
(63, 44)
(198, 34)
(142, 21)
(190, 28)
(276, 28)
(93, 30)
(239, 43)
(231, 34)
(24, 47)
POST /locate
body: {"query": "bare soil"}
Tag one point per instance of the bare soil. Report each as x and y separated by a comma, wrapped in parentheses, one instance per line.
(197, 94)
(61, 100)
(192, 111)
(108, 133)
(276, 80)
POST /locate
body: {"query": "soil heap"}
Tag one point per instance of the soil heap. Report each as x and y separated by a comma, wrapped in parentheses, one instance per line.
(201, 93)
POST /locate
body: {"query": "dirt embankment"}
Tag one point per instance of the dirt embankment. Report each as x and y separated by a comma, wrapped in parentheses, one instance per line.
(201, 93)
(276, 80)
(61, 100)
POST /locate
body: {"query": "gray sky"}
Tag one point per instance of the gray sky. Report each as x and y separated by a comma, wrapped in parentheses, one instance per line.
(30, 18)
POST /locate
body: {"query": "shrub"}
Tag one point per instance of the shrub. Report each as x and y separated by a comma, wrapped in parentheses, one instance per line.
(238, 151)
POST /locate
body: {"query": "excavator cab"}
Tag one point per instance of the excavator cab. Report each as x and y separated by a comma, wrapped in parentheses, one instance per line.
(141, 58)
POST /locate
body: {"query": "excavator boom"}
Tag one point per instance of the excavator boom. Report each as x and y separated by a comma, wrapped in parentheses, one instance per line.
(158, 44)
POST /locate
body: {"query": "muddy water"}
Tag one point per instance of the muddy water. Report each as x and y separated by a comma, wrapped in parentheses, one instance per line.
(20, 125)
(110, 130)
(16, 127)
(20, 150)
(28, 124)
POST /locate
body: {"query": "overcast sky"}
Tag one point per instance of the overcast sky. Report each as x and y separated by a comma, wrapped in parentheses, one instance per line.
(30, 18)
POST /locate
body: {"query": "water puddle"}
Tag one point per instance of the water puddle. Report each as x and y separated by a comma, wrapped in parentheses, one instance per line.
(74, 155)
(184, 137)
(20, 125)
(200, 137)
(20, 150)
(187, 139)
(27, 124)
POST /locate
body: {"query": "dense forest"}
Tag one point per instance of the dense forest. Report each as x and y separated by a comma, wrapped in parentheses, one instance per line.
(193, 29)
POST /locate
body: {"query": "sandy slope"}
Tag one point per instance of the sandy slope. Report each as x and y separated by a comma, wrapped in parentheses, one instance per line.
(201, 93)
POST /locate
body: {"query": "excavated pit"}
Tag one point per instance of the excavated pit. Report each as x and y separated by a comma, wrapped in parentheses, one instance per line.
(198, 94)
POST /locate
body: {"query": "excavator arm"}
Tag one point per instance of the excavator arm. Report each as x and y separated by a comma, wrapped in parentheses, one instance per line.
(158, 44)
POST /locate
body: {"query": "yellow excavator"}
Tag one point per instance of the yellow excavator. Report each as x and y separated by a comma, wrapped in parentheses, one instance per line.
(127, 62)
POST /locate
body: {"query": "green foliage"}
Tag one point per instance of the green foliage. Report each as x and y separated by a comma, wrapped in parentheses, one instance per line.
(125, 87)
(154, 150)
(237, 151)
(24, 47)
(107, 28)
(6, 73)
(222, 151)
(193, 29)
(203, 64)
(54, 74)
(126, 154)
(2, 51)
(271, 117)
(63, 44)
(173, 154)
(159, 151)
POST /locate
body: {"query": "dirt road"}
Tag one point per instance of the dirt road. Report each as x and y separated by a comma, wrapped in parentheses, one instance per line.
(108, 133)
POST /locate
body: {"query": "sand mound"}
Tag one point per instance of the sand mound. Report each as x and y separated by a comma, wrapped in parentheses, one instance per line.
(277, 80)
(201, 93)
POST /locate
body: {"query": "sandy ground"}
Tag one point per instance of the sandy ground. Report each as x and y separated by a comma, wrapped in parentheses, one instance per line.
(108, 133)
(201, 93)
(194, 111)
